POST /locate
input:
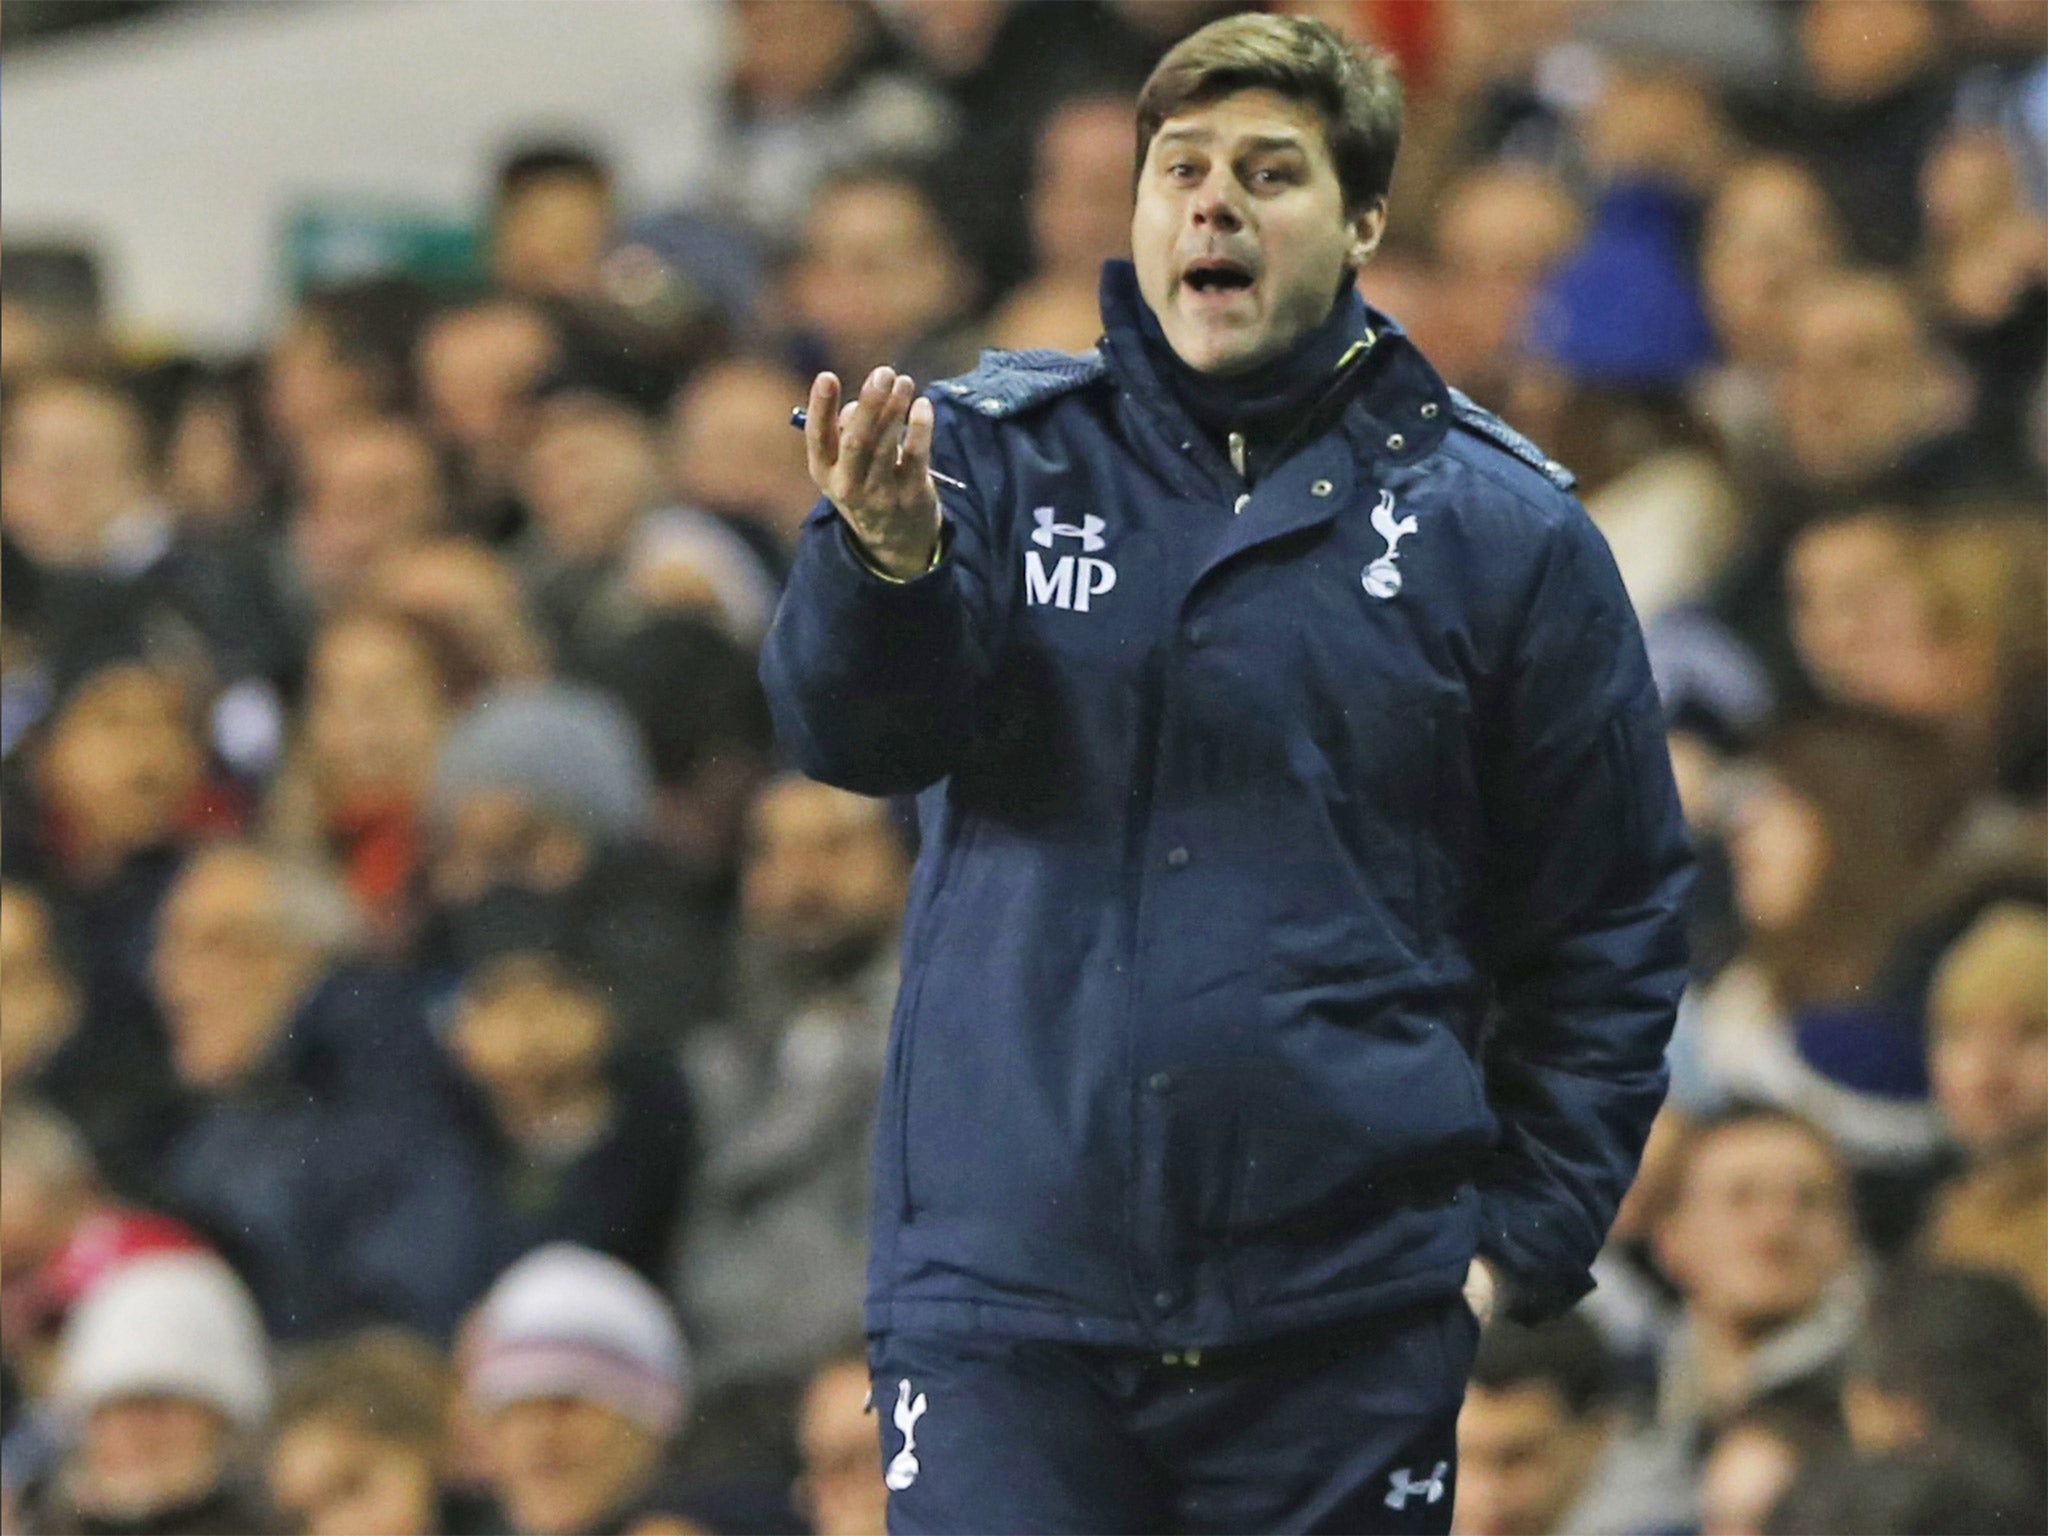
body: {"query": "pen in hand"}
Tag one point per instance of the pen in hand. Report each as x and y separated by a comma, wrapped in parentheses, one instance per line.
(800, 418)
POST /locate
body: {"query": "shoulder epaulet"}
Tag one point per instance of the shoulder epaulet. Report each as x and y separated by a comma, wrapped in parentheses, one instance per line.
(1005, 383)
(1476, 418)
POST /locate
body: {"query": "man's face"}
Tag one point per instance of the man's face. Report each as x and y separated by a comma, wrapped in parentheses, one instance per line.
(1081, 192)
(228, 974)
(330, 1477)
(476, 368)
(374, 713)
(1990, 1071)
(841, 1488)
(1522, 1460)
(1760, 1227)
(1859, 387)
(370, 490)
(142, 1455)
(1860, 619)
(731, 452)
(1768, 233)
(590, 471)
(550, 236)
(38, 1000)
(560, 1464)
(121, 763)
(824, 872)
(1240, 235)
(73, 462)
(875, 274)
(531, 1040)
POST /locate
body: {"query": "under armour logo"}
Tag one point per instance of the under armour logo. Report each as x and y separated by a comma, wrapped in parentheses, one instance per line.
(1431, 1487)
(903, 1468)
(1383, 578)
(1089, 532)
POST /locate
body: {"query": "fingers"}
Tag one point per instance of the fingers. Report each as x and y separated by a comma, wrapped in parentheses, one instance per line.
(821, 429)
(916, 459)
(873, 426)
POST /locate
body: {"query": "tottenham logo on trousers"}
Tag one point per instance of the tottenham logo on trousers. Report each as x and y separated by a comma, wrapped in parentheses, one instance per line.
(1073, 580)
(903, 1468)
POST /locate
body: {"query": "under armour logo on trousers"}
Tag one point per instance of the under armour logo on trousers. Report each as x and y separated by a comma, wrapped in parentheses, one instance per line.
(1089, 531)
(1431, 1488)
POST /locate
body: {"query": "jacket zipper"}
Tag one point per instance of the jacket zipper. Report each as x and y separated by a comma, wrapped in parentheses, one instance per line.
(1236, 445)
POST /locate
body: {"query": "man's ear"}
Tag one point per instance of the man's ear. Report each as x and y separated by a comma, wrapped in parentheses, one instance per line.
(1366, 230)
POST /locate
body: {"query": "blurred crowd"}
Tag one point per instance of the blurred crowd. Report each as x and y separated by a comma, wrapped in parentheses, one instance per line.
(439, 1039)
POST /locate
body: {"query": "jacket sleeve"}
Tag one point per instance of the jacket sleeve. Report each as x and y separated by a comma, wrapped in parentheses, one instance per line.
(1589, 871)
(874, 684)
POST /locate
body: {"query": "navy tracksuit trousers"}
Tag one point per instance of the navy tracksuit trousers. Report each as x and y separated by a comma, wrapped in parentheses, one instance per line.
(1349, 1428)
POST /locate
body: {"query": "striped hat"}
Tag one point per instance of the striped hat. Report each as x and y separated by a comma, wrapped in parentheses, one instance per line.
(569, 1322)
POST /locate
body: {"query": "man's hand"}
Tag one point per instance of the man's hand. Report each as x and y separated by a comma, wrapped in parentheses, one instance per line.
(884, 491)
(1480, 1290)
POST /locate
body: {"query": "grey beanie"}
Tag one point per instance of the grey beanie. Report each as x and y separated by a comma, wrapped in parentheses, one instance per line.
(572, 750)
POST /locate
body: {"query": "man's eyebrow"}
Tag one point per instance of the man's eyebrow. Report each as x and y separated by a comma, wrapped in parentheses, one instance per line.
(1257, 141)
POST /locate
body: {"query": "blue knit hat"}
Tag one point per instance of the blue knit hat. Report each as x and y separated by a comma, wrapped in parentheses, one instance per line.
(1624, 309)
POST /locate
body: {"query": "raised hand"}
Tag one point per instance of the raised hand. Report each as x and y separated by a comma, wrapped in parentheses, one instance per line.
(872, 458)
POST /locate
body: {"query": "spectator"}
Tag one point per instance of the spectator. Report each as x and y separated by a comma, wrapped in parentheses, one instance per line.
(80, 496)
(704, 720)
(372, 488)
(119, 790)
(1988, 1058)
(771, 1270)
(731, 453)
(342, 358)
(164, 1368)
(840, 1490)
(1501, 228)
(592, 480)
(578, 1376)
(460, 589)
(583, 1142)
(1913, 1493)
(1080, 211)
(1952, 1361)
(1541, 1445)
(359, 1443)
(1769, 233)
(539, 818)
(1756, 1457)
(1879, 94)
(111, 1080)
(1827, 846)
(1869, 403)
(551, 221)
(813, 89)
(382, 690)
(479, 365)
(1760, 1242)
(304, 1110)
(61, 1233)
(877, 279)
(1932, 624)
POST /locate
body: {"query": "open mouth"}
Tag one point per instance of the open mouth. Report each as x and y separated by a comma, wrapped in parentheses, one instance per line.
(1217, 274)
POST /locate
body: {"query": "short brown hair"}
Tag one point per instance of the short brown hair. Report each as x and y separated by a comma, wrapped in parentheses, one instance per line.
(1354, 88)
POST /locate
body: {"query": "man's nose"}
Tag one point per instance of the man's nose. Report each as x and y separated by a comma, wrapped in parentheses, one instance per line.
(1214, 207)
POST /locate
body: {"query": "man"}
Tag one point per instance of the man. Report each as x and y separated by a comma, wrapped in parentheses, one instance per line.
(769, 1272)
(576, 1376)
(1760, 1241)
(1272, 710)
(164, 1370)
(302, 1109)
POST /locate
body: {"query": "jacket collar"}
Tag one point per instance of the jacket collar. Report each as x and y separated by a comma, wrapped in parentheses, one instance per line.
(1401, 411)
